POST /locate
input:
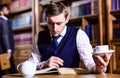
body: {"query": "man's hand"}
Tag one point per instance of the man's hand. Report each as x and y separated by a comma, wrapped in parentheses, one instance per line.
(8, 55)
(102, 62)
(52, 62)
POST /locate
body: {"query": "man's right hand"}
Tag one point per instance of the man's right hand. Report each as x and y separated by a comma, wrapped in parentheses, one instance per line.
(52, 62)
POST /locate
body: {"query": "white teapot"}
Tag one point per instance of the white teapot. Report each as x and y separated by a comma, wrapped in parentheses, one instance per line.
(27, 69)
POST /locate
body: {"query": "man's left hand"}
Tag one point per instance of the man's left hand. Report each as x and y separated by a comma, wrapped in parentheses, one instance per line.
(102, 62)
(8, 55)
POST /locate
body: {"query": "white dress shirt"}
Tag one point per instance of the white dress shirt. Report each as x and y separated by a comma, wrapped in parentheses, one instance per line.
(83, 46)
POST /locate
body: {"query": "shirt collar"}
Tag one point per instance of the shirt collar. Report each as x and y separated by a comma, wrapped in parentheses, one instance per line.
(4, 17)
(64, 31)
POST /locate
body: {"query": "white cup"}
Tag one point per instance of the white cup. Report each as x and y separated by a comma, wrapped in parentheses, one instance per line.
(102, 49)
(27, 69)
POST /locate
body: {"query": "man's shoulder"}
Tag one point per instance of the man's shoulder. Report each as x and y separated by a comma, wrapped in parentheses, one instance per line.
(44, 32)
(2, 20)
(72, 29)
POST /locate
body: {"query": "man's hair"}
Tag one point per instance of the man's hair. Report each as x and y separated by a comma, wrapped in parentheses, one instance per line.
(2, 6)
(56, 9)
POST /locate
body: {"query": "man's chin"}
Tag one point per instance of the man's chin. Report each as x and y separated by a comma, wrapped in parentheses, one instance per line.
(55, 34)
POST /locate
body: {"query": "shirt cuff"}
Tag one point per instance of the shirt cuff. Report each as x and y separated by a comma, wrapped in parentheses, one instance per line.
(9, 50)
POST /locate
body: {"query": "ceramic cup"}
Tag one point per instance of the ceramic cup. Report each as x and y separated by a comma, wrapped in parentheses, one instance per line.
(102, 49)
(27, 69)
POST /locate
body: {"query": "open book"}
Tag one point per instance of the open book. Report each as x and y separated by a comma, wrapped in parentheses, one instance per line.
(63, 71)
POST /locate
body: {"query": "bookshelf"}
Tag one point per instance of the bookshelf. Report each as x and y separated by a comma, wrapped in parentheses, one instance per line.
(113, 25)
(21, 21)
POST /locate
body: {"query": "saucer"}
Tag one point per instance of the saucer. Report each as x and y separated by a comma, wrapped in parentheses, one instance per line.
(110, 51)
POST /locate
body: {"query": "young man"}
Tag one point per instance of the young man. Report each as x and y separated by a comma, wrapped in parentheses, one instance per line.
(6, 38)
(73, 44)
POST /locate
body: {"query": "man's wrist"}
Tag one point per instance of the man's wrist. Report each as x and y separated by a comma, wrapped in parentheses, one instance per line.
(101, 70)
(43, 64)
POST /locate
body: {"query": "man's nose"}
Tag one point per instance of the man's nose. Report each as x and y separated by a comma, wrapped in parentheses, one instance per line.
(55, 26)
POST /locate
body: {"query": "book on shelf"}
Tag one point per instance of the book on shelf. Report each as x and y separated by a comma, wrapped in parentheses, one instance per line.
(116, 29)
(95, 32)
(92, 31)
(19, 5)
(95, 7)
(88, 31)
(23, 38)
(21, 20)
(84, 7)
(63, 70)
(115, 5)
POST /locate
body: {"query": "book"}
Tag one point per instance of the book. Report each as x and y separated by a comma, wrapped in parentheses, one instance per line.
(4, 62)
(116, 29)
(63, 70)
(88, 31)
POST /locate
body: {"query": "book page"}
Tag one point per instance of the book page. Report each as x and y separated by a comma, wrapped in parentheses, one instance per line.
(73, 71)
(63, 70)
(66, 71)
(47, 70)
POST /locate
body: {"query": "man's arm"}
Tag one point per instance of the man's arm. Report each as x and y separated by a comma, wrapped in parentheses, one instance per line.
(5, 34)
(85, 51)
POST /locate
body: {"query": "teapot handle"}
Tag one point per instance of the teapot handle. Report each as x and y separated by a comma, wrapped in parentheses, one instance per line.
(18, 67)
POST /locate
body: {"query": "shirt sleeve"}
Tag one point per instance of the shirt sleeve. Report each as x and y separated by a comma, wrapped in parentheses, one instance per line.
(85, 50)
(35, 58)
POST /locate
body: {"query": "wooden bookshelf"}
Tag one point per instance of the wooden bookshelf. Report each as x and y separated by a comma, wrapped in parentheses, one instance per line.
(113, 14)
(21, 11)
(22, 52)
(21, 28)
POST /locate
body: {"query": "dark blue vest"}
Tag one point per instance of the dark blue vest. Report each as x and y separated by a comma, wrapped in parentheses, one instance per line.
(67, 49)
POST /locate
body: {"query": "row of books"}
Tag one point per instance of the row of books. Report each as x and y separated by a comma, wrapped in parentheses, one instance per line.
(84, 7)
(79, 8)
(115, 5)
(116, 29)
(19, 4)
(92, 30)
(21, 20)
(23, 38)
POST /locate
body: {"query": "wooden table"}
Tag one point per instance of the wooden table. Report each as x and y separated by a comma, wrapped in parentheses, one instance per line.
(106, 75)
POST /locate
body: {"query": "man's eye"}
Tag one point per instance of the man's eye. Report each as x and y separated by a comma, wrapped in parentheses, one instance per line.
(59, 23)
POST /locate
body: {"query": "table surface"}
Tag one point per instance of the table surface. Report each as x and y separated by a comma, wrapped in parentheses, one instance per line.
(104, 75)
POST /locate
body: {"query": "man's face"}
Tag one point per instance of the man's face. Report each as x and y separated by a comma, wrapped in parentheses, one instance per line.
(5, 11)
(56, 23)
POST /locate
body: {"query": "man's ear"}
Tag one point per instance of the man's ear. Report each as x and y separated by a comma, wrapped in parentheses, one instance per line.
(67, 19)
